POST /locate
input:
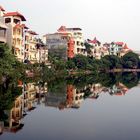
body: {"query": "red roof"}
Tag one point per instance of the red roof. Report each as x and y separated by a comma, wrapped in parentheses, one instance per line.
(62, 29)
(94, 41)
(15, 14)
(119, 94)
(1, 8)
(119, 43)
(32, 32)
(126, 47)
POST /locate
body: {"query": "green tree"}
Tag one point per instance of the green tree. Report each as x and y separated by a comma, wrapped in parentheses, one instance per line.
(80, 61)
(70, 64)
(112, 61)
(10, 67)
(130, 60)
(88, 48)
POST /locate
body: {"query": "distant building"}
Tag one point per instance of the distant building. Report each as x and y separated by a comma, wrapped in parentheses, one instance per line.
(96, 49)
(119, 89)
(118, 48)
(65, 43)
(57, 45)
(105, 49)
(77, 35)
(74, 97)
(31, 53)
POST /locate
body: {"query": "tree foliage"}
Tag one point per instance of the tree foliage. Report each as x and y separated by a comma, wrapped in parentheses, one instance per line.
(130, 60)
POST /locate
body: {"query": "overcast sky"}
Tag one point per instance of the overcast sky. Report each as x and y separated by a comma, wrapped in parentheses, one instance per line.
(108, 20)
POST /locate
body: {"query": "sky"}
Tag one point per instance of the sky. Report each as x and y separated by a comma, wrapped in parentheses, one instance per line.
(108, 20)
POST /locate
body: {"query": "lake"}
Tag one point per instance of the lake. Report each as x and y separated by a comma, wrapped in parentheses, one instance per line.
(103, 107)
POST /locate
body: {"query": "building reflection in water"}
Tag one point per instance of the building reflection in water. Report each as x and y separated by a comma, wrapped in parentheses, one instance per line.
(32, 95)
(35, 94)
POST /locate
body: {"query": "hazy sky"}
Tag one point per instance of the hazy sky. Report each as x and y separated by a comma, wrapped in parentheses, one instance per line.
(108, 20)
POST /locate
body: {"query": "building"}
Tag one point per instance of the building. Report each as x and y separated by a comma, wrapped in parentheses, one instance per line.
(118, 89)
(96, 48)
(78, 40)
(74, 97)
(57, 45)
(15, 34)
(42, 52)
(31, 52)
(65, 43)
(105, 49)
(118, 48)
(125, 50)
(3, 27)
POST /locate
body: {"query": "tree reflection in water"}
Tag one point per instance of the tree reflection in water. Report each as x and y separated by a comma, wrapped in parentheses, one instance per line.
(17, 99)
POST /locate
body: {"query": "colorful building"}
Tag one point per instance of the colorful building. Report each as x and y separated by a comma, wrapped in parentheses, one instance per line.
(118, 48)
(96, 48)
(15, 34)
(31, 53)
(76, 36)
(65, 43)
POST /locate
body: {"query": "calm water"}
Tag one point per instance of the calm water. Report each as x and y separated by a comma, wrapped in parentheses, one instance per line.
(77, 108)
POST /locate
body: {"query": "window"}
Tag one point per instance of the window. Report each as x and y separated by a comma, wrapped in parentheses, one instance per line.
(82, 44)
(16, 21)
(76, 98)
(78, 43)
(78, 50)
(7, 20)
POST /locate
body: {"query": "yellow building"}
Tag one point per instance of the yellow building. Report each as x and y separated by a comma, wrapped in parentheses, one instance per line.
(15, 33)
(31, 52)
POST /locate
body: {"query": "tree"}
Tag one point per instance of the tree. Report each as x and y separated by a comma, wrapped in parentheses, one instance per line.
(10, 67)
(80, 61)
(88, 48)
(112, 61)
(70, 64)
(130, 60)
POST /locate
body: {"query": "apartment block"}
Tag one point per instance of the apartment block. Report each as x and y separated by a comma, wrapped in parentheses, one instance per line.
(14, 22)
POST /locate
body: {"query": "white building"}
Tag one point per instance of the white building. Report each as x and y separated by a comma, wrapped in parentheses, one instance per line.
(3, 27)
(77, 35)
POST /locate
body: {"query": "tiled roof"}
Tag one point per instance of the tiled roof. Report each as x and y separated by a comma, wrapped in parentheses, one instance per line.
(32, 32)
(62, 29)
(15, 14)
(94, 41)
(119, 43)
(125, 47)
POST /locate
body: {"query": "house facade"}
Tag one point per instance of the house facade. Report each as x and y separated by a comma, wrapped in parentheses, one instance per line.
(3, 27)
(14, 22)
(96, 48)
(118, 48)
